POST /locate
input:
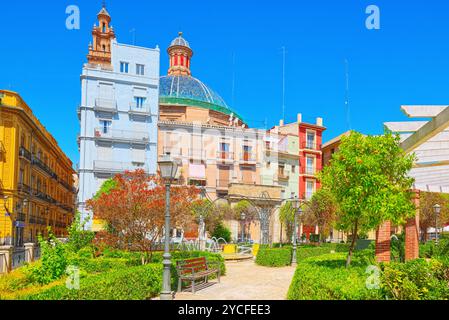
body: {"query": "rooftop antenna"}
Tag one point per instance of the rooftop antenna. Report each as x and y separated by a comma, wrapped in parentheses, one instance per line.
(347, 105)
(133, 31)
(233, 81)
(283, 82)
(104, 4)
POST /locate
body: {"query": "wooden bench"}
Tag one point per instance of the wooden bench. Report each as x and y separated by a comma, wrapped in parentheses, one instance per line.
(194, 269)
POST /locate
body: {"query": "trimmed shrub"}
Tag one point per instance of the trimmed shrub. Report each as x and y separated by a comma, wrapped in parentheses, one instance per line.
(416, 280)
(274, 257)
(135, 283)
(325, 277)
(434, 250)
(99, 265)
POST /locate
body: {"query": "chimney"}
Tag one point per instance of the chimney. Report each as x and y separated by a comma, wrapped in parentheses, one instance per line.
(319, 122)
(299, 118)
(281, 123)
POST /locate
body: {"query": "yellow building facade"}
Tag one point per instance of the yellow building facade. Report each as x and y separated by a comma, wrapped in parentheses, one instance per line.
(36, 177)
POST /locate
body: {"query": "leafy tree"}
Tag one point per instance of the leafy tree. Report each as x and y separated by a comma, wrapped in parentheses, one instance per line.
(106, 188)
(78, 236)
(134, 211)
(368, 178)
(427, 214)
(209, 212)
(222, 231)
(321, 211)
(287, 218)
(53, 262)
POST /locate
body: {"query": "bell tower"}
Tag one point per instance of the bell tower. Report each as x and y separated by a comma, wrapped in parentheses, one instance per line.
(103, 34)
(180, 55)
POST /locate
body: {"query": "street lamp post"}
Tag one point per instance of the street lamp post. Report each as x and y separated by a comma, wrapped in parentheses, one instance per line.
(168, 169)
(295, 206)
(436, 210)
(298, 211)
(243, 218)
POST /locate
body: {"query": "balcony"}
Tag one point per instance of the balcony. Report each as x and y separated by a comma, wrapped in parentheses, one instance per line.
(20, 217)
(122, 135)
(143, 110)
(105, 105)
(283, 176)
(172, 151)
(24, 154)
(197, 154)
(309, 171)
(38, 163)
(66, 185)
(32, 220)
(225, 157)
(117, 167)
(37, 220)
(65, 207)
(248, 158)
(223, 184)
(22, 187)
(310, 146)
(61, 225)
(43, 196)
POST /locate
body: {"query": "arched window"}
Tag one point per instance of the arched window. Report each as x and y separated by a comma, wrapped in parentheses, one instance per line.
(104, 27)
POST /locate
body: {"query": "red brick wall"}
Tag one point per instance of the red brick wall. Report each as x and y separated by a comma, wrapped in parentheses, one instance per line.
(412, 232)
(383, 238)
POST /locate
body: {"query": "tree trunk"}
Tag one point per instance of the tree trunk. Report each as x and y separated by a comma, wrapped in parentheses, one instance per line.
(351, 248)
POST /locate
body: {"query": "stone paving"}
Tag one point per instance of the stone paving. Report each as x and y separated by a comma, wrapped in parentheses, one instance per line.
(246, 281)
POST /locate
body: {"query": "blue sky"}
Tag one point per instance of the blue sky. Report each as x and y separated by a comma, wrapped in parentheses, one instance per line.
(405, 62)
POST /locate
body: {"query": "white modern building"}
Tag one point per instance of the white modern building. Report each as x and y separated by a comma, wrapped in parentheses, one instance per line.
(118, 113)
(427, 136)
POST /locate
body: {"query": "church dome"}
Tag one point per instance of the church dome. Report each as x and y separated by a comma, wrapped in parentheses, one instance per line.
(189, 91)
(180, 41)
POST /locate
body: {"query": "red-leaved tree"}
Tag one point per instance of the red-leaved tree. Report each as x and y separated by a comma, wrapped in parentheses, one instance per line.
(134, 212)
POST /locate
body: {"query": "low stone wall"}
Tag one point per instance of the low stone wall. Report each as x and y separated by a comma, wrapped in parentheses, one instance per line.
(14, 257)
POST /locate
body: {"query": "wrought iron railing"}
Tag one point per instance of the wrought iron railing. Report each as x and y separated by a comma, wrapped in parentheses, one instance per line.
(24, 153)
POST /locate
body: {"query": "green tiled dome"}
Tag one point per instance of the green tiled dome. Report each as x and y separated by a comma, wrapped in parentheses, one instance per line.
(189, 91)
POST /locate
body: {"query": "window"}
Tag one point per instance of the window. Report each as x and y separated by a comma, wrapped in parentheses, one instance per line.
(140, 69)
(247, 153)
(293, 169)
(310, 164)
(224, 147)
(282, 170)
(310, 186)
(124, 67)
(105, 126)
(140, 101)
(21, 176)
(104, 27)
(310, 140)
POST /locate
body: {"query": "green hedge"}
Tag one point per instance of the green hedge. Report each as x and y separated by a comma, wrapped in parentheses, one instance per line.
(308, 251)
(326, 278)
(134, 283)
(416, 280)
(433, 250)
(99, 265)
(274, 257)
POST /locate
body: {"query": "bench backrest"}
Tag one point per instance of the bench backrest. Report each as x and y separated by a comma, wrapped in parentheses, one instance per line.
(192, 265)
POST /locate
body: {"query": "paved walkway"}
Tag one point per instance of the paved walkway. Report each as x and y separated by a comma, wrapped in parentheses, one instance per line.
(246, 281)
